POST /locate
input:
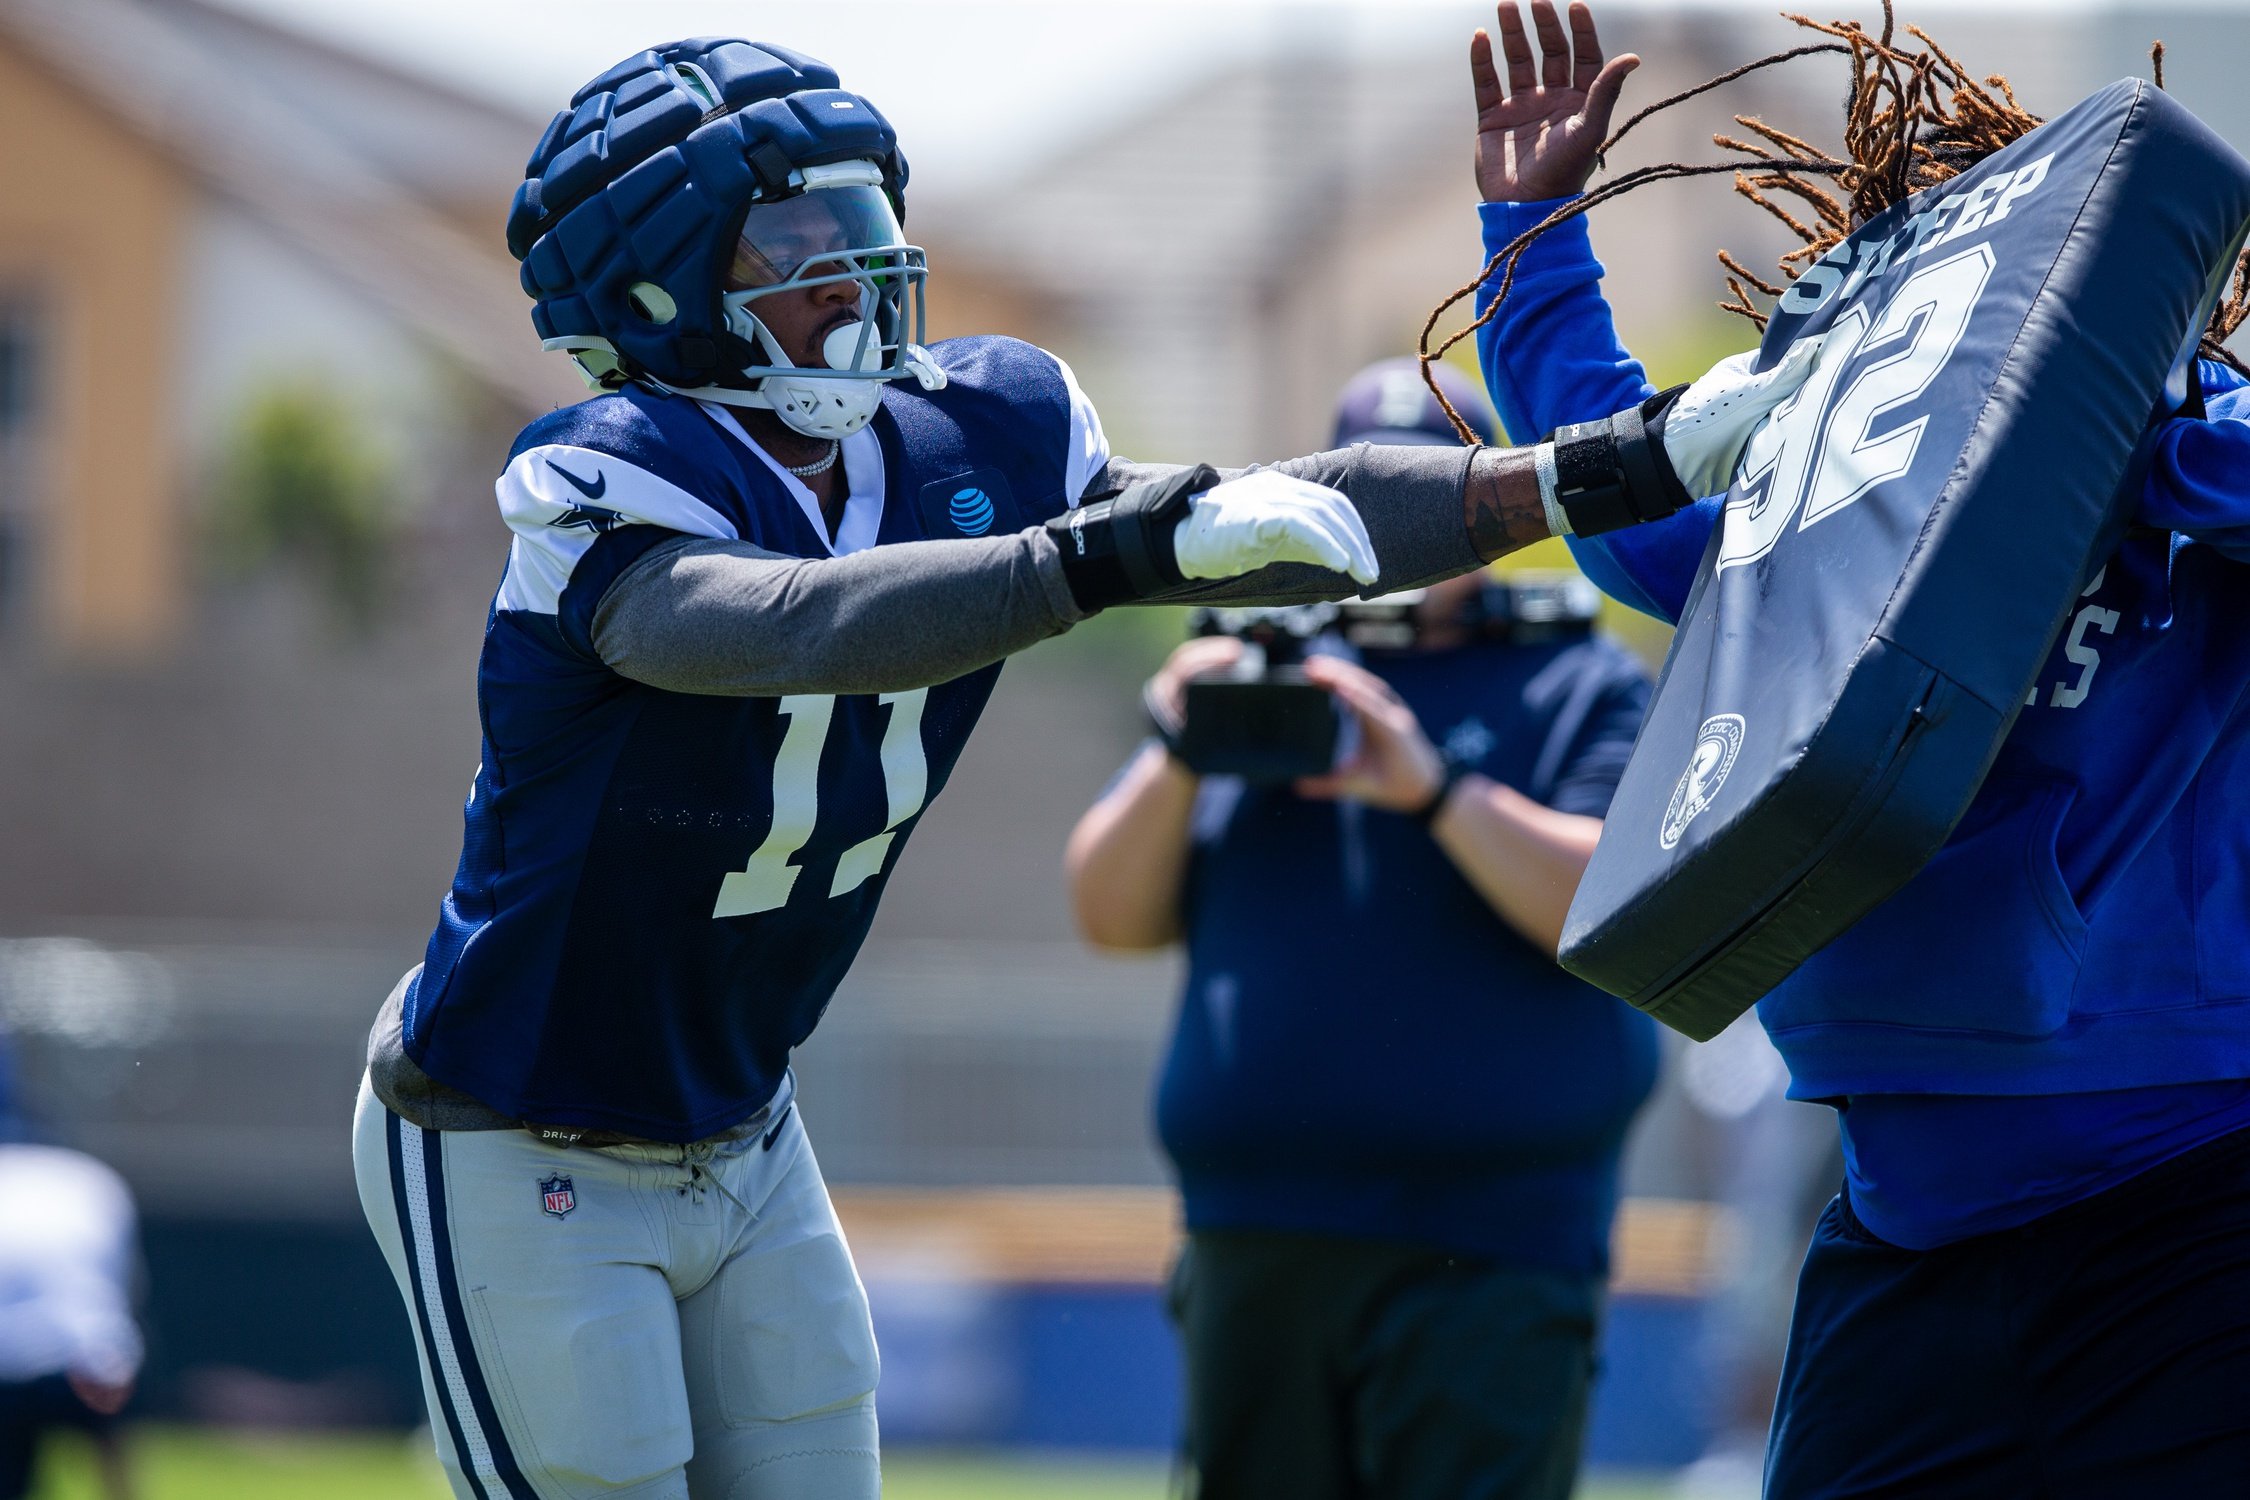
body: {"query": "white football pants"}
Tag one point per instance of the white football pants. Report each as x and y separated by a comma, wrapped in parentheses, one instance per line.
(675, 1323)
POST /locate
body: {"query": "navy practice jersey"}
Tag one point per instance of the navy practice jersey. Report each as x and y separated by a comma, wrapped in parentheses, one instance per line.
(659, 892)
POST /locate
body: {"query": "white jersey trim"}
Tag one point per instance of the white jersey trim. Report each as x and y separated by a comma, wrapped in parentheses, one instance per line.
(1085, 458)
(863, 477)
(1089, 446)
(478, 1460)
(558, 498)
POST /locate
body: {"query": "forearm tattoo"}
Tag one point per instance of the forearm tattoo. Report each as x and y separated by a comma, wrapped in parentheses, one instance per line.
(1500, 504)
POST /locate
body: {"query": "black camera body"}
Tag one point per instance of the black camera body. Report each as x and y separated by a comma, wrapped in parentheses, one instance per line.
(1265, 722)
(1262, 720)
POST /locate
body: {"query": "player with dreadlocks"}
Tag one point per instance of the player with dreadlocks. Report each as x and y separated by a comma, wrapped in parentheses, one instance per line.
(2042, 1293)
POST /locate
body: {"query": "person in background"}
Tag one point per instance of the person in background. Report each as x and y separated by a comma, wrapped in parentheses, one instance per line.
(69, 1347)
(1395, 1122)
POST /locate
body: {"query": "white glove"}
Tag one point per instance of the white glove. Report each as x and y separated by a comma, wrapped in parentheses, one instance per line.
(1244, 524)
(1706, 430)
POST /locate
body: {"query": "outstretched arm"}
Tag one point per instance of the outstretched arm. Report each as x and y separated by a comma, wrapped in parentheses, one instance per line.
(1551, 355)
(731, 619)
(723, 617)
(1430, 513)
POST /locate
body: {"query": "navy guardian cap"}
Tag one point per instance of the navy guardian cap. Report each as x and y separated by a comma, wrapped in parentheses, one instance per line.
(688, 182)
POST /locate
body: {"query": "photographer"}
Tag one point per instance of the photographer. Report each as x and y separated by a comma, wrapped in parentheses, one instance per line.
(1395, 1121)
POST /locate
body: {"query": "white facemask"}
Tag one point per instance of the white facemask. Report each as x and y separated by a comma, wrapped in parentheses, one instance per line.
(815, 406)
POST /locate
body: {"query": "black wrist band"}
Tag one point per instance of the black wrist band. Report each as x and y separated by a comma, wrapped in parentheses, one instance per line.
(1086, 537)
(1119, 550)
(1614, 473)
(1452, 776)
(1649, 480)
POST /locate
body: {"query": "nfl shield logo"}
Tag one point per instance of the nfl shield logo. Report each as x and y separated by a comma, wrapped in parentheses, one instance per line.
(556, 1195)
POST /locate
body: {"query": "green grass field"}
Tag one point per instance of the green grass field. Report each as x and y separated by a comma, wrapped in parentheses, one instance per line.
(186, 1464)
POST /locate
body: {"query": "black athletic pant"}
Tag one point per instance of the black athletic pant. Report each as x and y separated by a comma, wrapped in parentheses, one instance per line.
(29, 1410)
(1322, 1368)
(2101, 1352)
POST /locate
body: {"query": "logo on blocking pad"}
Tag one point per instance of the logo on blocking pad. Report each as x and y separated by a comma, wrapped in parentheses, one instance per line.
(556, 1196)
(1716, 744)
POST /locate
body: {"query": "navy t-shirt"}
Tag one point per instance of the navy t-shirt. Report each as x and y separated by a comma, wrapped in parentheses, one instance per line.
(1365, 1048)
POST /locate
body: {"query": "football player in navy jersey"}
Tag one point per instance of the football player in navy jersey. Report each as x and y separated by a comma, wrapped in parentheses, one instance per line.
(2036, 1280)
(757, 594)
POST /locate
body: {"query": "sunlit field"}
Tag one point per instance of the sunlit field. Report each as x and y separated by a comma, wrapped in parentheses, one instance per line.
(186, 1464)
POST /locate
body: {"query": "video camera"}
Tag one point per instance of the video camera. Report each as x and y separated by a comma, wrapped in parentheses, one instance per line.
(1264, 721)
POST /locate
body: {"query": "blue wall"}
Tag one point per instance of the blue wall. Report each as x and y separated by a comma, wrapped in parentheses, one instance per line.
(1096, 1367)
(963, 1362)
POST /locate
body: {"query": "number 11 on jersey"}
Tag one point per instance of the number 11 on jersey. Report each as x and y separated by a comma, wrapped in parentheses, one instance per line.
(765, 883)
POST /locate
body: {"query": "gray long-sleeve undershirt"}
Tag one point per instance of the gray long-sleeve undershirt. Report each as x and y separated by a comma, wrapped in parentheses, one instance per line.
(728, 618)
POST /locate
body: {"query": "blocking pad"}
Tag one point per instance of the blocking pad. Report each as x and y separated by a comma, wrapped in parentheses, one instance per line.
(1902, 543)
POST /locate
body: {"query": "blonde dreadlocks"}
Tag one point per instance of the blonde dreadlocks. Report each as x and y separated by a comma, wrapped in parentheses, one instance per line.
(1914, 117)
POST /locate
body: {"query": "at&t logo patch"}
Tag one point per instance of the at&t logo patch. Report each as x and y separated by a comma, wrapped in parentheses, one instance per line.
(1716, 745)
(976, 502)
(557, 1196)
(971, 510)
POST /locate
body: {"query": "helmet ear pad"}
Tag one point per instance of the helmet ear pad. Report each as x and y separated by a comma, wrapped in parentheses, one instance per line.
(629, 189)
(734, 352)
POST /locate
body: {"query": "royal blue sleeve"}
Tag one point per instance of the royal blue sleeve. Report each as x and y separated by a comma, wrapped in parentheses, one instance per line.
(1551, 356)
(2199, 480)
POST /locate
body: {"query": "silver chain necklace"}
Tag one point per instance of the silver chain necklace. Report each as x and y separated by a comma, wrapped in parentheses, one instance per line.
(819, 465)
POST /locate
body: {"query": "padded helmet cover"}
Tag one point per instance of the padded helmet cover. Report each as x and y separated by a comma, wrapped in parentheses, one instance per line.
(645, 179)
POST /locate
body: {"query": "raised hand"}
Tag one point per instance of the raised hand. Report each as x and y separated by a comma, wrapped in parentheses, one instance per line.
(1538, 137)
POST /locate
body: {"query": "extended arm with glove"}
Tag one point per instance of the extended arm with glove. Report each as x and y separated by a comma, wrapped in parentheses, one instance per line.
(725, 617)
(1160, 533)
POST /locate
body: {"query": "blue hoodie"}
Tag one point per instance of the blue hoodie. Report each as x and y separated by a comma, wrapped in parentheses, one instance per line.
(2061, 999)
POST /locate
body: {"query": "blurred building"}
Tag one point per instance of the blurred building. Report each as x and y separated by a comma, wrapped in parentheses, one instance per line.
(197, 203)
(1216, 265)
(205, 204)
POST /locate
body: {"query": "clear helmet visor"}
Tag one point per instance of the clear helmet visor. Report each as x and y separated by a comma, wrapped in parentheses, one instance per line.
(807, 267)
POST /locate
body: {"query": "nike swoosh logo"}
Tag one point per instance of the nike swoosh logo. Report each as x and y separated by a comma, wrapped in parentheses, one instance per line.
(591, 491)
(775, 1133)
